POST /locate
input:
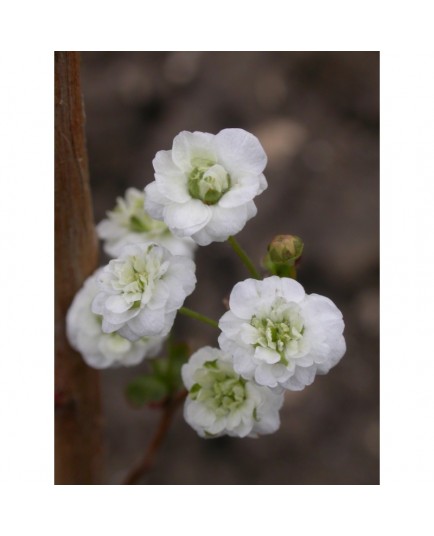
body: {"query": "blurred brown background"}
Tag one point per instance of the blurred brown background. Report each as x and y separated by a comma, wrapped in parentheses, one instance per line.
(317, 116)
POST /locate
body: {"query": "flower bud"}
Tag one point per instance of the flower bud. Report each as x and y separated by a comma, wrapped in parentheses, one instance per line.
(283, 252)
(285, 248)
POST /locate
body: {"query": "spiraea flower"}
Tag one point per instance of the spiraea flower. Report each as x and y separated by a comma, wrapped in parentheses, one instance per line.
(128, 223)
(221, 402)
(141, 291)
(101, 350)
(204, 187)
(279, 335)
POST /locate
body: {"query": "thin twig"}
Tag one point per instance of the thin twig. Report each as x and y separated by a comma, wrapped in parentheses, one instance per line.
(148, 459)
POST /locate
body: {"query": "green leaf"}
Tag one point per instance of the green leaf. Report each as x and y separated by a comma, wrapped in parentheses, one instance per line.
(164, 379)
(145, 389)
(160, 367)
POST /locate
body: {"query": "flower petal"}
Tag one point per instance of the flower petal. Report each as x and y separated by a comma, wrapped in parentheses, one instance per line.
(163, 163)
(196, 414)
(242, 192)
(187, 146)
(292, 290)
(325, 312)
(230, 324)
(251, 210)
(248, 334)
(202, 237)
(336, 353)
(155, 201)
(119, 318)
(150, 322)
(263, 184)
(243, 365)
(160, 295)
(305, 375)
(109, 327)
(243, 298)
(171, 182)
(240, 152)
(128, 333)
(225, 222)
(267, 355)
(187, 218)
(116, 304)
(264, 375)
(97, 306)
(108, 229)
(180, 280)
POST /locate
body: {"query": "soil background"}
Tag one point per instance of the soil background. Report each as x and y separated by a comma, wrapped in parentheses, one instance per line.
(317, 116)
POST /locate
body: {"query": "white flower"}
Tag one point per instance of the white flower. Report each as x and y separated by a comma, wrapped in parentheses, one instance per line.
(221, 402)
(128, 223)
(279, 335)
(141, 291)
(99, 349)
(204, 187)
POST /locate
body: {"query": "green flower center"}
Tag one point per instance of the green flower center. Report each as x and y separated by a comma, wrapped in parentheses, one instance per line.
(208, 181)
(218, 388)
(131, 215)
(283, 335)
(136, 275)
(142, 223)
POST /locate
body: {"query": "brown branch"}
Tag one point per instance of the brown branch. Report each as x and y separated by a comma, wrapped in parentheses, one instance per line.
(77, 434)
(148, 459)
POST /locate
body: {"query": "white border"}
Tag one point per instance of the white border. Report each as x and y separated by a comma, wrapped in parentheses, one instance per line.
(26, 209)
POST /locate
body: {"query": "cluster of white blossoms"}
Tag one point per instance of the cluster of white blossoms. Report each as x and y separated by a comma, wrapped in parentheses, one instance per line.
(274, 337)
(123, 312)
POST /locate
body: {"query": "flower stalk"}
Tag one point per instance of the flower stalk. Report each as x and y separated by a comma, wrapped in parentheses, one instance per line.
(246, 260)
(198, 316)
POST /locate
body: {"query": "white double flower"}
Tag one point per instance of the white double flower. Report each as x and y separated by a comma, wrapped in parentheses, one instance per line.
(101, 350)
(280, 336)
(221, 402)
(204, 187)
(141, 291)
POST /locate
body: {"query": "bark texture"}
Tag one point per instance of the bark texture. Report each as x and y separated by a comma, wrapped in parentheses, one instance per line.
(77, 398)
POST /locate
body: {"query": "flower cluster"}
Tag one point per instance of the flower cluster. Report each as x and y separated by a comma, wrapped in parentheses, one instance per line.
(274, 337)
